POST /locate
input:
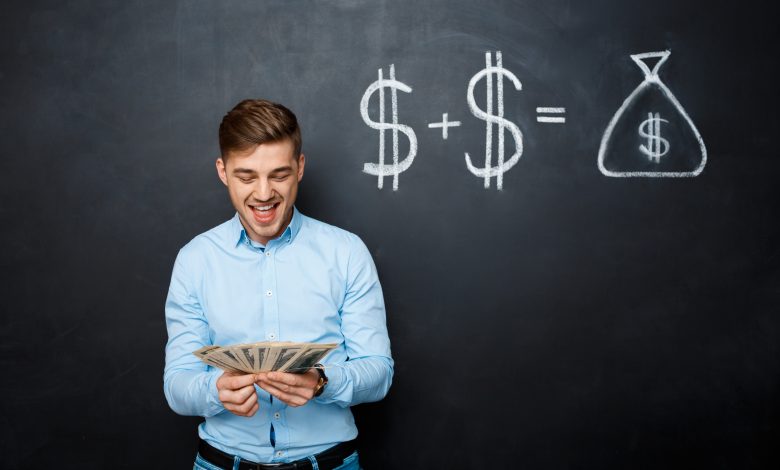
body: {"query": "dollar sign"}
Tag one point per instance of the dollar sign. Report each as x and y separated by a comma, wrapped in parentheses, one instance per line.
(657, 146)
(381, 169)
(501, 166)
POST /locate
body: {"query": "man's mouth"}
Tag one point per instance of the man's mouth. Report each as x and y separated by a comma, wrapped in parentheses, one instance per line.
(264, 213)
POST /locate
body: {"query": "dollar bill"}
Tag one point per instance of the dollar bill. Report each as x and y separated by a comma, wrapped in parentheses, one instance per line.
(306, 359)
(202, 352)
(246, 353)
(261, 353)
(264, 356)
(230, 357)
(281, 355)
(236, 354)
(208, 355)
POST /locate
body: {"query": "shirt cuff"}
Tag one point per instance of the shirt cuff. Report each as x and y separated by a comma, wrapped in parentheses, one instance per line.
(215, 405)
(336, 380)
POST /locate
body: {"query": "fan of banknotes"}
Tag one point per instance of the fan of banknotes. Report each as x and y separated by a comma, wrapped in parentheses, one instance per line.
(295, 358)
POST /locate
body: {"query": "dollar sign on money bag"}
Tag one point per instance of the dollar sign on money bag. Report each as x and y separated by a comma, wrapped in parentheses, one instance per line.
(382, 169)
(502, 165)
(651, 134)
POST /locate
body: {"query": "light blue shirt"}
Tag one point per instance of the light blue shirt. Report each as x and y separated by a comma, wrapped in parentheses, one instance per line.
(315, 283)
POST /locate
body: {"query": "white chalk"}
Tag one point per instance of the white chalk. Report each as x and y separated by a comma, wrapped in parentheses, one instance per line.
(651, 79)
(380, 170)
(502, 166)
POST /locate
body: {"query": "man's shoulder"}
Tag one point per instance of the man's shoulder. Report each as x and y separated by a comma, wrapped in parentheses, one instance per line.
(319, 231)
(206, 242)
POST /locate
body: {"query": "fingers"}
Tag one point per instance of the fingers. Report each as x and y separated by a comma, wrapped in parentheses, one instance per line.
(293, 389)
(237, 396)
(284, 378)
(295, 397)
(242, 402)
(237, 393)
(234, 382)
(286, 381)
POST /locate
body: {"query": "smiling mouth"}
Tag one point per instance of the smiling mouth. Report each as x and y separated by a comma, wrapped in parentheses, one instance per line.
(264, 213)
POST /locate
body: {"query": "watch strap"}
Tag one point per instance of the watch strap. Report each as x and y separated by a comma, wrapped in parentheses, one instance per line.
(322, 382)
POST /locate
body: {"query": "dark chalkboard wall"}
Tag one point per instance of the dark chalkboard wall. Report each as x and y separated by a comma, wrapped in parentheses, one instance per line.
(571, 320)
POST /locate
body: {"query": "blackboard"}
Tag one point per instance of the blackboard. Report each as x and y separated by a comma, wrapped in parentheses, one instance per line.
(568, 320)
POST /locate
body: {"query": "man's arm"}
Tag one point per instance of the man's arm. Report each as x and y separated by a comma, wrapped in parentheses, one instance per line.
(189, 384)
(192, 388)
(367, 374)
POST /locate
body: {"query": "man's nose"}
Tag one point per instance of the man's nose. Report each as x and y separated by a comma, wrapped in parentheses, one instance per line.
(263, 190)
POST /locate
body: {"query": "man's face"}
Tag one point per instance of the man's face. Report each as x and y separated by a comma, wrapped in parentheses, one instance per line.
(263, 183)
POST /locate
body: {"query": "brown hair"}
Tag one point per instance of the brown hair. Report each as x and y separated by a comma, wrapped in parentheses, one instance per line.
(254, 122)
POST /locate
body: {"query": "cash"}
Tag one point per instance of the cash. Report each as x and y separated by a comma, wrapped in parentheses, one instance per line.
(295, 358)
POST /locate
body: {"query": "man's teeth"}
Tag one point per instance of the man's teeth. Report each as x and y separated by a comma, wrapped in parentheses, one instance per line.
(264, 208)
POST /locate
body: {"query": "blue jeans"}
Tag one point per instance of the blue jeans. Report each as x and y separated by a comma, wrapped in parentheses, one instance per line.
(350, 463)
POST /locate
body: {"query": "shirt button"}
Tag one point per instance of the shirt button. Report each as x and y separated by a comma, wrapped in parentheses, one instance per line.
(272, 336)
(277, 415)
(268, 293)
(268, 253)
(279, 453)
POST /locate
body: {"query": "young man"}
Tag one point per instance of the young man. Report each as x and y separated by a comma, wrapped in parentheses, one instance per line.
(272, 274)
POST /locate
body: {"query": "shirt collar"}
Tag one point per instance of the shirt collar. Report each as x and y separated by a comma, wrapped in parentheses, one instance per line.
(238, 232)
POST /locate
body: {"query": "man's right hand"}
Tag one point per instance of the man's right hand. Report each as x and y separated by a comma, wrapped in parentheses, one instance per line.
(237, 393)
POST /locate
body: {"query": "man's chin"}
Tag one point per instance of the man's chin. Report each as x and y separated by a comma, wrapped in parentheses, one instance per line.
(266, 233)
(256, 231)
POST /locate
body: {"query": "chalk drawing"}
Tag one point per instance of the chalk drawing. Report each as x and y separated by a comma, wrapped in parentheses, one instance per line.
(502, 166)
(656, 146)
(380, 170)
(550, 119)
(444, 124)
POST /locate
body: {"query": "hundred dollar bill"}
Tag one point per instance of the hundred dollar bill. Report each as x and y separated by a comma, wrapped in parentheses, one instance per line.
(230, 357)
(261, 354)
(281, 355)
(205, 355)
(306, 359)
(264, 356)
(236, 354)
(270, 352)
(246, 352)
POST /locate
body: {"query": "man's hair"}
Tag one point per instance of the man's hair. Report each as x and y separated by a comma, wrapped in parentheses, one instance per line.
(255, 122)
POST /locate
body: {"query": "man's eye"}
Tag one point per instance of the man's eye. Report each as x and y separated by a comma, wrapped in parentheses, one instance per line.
(281, 177)
(246, 180)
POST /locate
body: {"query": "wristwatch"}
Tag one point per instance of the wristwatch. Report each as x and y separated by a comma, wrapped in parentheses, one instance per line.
(323, 380)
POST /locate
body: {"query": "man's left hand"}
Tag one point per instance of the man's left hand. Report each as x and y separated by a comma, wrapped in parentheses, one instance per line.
(293, 389)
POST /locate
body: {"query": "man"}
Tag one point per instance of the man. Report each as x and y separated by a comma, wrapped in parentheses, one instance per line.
(272, 274)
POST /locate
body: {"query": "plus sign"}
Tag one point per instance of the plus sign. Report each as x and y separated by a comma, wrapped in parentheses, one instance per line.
(444, 124)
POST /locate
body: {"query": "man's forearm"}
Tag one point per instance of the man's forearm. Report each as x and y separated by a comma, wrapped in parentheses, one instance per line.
(193, 392)
(357, 381)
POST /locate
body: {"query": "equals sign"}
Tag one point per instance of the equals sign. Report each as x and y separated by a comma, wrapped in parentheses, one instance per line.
(554, 119)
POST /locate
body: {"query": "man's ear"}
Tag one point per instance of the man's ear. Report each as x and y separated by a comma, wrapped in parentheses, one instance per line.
(301, 163)
(221, 170)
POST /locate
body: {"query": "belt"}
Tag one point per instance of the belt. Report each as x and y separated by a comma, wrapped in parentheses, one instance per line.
(326, 460)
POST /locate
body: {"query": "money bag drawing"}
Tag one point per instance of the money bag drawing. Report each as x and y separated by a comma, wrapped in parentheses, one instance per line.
(651, 135)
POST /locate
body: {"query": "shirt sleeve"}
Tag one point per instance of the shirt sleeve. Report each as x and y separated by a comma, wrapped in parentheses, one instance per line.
(367, 373)
(189, 384)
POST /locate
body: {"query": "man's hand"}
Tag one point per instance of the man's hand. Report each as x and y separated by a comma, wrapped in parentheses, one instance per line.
(237, 393)
(293, 389)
